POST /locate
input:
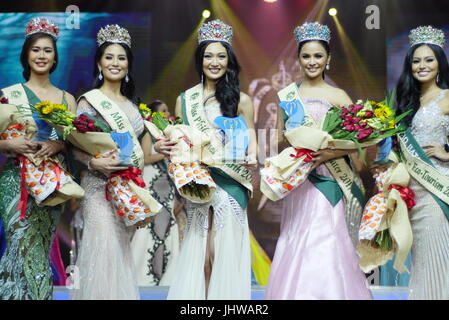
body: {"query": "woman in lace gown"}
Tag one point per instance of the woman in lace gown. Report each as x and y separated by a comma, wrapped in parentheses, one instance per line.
(105, 262)
(156, 247)
(215, 261)
(423, 86)
(25, 272)
(315, 257)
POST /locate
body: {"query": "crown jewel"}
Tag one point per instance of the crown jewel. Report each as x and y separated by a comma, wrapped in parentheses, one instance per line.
(427, 34)
(312, 31)
(215, 30)
(42, 25)
(113, 33)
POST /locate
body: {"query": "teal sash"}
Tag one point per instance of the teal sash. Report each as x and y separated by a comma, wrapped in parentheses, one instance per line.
(414, 146)
(223, 180)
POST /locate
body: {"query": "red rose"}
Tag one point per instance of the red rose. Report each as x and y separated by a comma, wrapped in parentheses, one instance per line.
(364, 133)
(357, 120)
(4, 100)
(369, 114)
(356, 108)
(349, 119)
(349, 128)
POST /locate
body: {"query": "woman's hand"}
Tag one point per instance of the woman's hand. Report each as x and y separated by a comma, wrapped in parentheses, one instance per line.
(165, 146)
(324, 155)
(19, 145)
(436, 151)
(49, 148)
(106, 166)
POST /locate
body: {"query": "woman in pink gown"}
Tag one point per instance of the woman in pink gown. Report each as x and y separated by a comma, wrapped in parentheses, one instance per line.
(315, 257)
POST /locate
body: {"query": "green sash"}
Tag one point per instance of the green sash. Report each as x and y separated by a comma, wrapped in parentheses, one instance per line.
(422, 169)
(340, 170)
(236, 180)
(117, 119)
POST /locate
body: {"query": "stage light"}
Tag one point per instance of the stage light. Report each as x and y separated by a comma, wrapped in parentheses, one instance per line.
(333, 11)
(270, 1)
(206, 14)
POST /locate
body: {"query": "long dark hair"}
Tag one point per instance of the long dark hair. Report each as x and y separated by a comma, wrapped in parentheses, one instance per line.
(128, 89)
(154, 105)
(228, 86)
(322, 42)
(29, 42)
(408, 89)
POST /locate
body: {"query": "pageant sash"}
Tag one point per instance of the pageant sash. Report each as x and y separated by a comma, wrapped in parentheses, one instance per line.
(421, 168)
(16, 95)
(117, 119)
(195, 115)
(339, 169)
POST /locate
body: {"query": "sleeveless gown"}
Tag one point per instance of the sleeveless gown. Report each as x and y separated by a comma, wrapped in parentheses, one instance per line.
(25, 270)
(231, 269)
(105, 264)
(429, 276)
(315, 257)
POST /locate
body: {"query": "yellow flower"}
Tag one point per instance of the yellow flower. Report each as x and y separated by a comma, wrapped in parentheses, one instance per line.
(47, 109)
(383, 112)
(42, 104)
(391, 124)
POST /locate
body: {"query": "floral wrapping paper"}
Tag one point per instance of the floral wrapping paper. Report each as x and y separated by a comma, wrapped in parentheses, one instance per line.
(131, 202)
(183, 174)
(375, 208)
(43, 176)
(282, 187)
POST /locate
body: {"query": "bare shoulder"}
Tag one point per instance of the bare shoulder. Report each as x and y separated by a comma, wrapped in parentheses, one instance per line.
(244, 98)
(444, 103)
(70, 98)
(340, 97)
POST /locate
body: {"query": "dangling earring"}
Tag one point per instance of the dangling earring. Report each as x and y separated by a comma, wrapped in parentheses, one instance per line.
(226, 77)
(100, 76)
(202, 77)
(126, 78)
(438, 77)
(328, 67)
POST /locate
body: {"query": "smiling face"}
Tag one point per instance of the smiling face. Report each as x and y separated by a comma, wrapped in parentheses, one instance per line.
(424, 64)
(313, 59)
(215, 61)
(41, 56)
(114, 63)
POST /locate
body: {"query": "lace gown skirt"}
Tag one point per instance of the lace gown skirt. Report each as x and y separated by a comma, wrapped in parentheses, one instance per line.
(25, 272)
(231, 269)
(315, 257)
(429, 277)
(105, 263)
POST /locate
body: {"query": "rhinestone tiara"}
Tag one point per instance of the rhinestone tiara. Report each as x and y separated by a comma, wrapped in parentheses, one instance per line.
(113, 33)
(427, 34)
(312, 31)
(42, 25)
(215, 30)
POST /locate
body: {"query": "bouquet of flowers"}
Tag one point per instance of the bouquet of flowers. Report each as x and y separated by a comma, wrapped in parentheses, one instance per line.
(125, 188)
(42, 178)
(353, 127)
(192, 179)
(385, 228)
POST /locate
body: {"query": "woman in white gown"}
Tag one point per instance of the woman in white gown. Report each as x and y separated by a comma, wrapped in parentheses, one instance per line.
(215, 259)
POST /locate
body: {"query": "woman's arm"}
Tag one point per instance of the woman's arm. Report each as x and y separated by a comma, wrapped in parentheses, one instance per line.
(147, 146)
(164, 146)
(246, 109)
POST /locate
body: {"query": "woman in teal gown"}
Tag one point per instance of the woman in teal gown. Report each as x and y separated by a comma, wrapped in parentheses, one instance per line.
(25, 272)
